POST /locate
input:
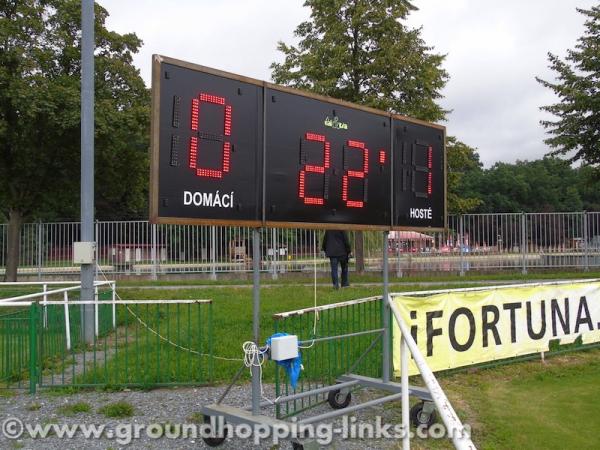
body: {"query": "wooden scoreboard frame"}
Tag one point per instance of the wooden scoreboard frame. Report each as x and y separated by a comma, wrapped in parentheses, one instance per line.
(155, 217)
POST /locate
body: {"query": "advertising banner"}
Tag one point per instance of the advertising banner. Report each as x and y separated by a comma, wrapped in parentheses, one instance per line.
(464, 327)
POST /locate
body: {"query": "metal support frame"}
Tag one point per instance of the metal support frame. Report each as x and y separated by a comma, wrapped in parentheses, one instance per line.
(385, 366)
(87, 162)
(252, 415)
(256, 381)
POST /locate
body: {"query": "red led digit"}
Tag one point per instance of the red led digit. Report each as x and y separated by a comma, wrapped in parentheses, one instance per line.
(362, 174)
(312, 168)
(195, 140)
(381, 156)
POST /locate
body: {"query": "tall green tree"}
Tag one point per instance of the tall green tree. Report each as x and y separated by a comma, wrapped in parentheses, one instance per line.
(574, 131)
(40, 116)
(361, 51)
(463, 165)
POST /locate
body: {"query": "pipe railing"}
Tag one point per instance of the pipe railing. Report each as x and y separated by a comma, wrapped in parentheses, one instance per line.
(454, 427)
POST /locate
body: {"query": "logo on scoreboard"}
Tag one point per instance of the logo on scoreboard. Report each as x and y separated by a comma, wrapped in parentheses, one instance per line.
(335, 123)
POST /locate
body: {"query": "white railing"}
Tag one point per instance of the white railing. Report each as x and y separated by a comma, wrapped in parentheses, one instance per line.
(43, 296)
(454, 427)
(473, 242)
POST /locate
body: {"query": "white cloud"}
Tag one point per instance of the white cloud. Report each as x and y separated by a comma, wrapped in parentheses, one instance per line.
(494, 51)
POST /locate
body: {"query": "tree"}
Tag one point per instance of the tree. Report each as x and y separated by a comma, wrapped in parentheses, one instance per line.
(463, 164)
(359, 51)
(544, 185)
(575, 130)
(40, 115)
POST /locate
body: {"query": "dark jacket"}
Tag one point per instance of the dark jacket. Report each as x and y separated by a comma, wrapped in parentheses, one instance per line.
(336, 244)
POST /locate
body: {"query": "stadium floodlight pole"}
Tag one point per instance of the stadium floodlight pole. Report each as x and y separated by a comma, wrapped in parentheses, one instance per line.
(87, 162)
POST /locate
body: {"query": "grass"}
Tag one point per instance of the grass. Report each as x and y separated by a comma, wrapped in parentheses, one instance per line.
(72, 409)
(117, 410)
(532, 405)
(370, 277)
(34, 406)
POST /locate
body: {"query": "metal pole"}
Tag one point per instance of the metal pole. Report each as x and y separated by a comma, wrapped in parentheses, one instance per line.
(461, 239)
(153, 252)
(405, 396)
(586, 262)
(523, 243)
(39, 248)
(213, 253)
(256, 317)
(275, 250)
(87, 161)
(385, 367)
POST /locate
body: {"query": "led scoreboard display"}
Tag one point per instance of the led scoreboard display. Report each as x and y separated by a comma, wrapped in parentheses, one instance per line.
(325, 163)
(206, 146)
(232, 150)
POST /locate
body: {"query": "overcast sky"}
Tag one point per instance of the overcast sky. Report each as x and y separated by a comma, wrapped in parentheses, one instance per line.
(494, 51)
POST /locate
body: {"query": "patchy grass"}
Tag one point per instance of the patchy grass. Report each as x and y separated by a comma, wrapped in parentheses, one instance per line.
(72, 409)
(117, 410)
(34, 406)
(196, 418)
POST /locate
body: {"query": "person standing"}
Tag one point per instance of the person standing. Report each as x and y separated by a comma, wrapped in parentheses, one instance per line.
(337, 248)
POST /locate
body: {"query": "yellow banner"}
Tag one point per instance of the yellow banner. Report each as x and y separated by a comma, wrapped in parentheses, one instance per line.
(455, 329)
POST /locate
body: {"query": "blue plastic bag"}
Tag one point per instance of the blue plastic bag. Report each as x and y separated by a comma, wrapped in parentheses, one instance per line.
(292, 366)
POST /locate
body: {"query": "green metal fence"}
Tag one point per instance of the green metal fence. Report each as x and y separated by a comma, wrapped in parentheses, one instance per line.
(15, 347)
(136, 343)
(348, 338)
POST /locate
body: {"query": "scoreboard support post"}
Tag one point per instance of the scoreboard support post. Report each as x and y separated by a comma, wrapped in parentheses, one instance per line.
(256, 394)
(385, 313)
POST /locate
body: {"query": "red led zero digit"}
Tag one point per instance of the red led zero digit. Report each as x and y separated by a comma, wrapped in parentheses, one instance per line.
(195, 140)
(362, 174)
(311, 168)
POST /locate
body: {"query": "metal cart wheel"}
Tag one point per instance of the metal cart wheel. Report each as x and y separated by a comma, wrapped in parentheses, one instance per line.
(338, 400)
(214, 441)
(420, 418)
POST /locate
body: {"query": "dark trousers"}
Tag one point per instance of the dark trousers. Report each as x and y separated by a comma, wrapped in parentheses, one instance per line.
(342, 261)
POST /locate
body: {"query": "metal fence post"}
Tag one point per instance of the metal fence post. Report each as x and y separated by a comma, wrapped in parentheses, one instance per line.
(98, 252)
(461, 239)
(153, 252)
(586, 262)
(524, 243)
(39, 250)
(275, 250)
(33, 317)
(213, 253)
(399, 273)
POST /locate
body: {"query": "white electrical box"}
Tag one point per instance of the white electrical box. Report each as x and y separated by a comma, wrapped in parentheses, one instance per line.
(84, 252)
(284, 347)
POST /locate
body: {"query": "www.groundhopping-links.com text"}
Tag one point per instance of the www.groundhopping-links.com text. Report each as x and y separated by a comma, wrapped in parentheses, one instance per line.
(323, 433)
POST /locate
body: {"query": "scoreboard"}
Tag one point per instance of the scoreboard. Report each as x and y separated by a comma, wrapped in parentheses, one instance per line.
(227, 149)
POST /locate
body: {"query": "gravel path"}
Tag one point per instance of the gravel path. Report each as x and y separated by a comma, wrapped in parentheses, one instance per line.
(174, 406)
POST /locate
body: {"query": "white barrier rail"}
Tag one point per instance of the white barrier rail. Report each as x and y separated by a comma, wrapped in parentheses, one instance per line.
(21, 300)
(454, 427)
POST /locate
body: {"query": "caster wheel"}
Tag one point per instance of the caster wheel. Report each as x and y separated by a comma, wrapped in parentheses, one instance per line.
(338, 400)
(419, 419)
(214, 441)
